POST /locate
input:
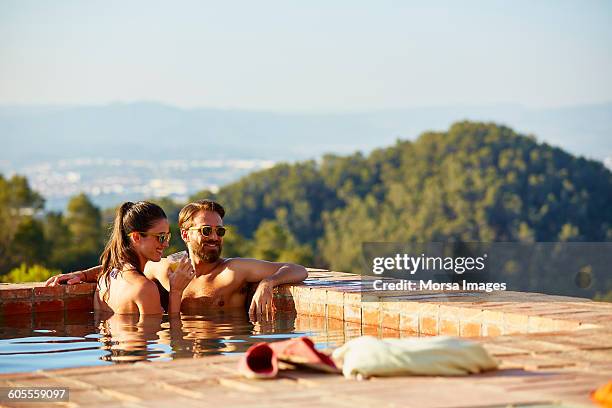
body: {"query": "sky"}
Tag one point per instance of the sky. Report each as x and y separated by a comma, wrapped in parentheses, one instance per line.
(306, 56)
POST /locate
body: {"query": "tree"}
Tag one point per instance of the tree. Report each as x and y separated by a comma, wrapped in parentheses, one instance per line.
(84, 221)
(272, 242)
(34, 273)
(29, 245)
(18, 205)
(59, 239)
(234, 244)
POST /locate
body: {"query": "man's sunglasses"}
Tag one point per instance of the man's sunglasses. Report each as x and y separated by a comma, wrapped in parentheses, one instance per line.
(206, 230)
(162, 237)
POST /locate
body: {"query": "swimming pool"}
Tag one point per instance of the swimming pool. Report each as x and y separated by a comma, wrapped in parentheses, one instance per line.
(62, 339)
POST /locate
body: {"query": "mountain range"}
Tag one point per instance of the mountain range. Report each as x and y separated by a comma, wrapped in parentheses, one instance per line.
(154, 131)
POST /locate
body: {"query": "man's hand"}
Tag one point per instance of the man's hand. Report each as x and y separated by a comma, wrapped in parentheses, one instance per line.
(262, 305)
(68, 278)
(182, 274)
(179, 276)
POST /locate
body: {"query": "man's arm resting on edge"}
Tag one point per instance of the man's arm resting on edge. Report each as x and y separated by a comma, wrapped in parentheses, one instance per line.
(269, 275)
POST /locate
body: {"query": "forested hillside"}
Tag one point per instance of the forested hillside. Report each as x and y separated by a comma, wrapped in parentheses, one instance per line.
(475, 182)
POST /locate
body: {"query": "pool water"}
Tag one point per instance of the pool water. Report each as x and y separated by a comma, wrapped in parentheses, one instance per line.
(74, 339)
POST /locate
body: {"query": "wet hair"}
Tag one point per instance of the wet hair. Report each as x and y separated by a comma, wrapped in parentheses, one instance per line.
(190, 210)
(129, 217)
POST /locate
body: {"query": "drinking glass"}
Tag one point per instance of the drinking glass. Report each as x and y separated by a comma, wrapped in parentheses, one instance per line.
(176, 258)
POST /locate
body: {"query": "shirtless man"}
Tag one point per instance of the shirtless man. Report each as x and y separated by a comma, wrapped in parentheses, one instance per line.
(218, 282)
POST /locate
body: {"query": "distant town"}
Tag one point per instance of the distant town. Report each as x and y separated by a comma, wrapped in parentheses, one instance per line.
(110, 181)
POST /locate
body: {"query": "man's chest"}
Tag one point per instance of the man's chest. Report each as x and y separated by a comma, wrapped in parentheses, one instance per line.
(222, 289)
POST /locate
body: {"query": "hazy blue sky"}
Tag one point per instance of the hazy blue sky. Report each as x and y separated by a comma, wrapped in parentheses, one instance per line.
(306, 55)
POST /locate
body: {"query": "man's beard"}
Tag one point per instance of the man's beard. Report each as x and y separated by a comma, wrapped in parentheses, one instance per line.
(208, 255)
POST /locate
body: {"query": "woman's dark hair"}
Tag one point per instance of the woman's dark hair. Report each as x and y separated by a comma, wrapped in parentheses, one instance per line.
(129, 217)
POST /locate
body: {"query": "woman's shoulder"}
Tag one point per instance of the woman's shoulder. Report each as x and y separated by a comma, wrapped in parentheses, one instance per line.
(131, 284)
(146, 296)
(139, 283)
(138, 292)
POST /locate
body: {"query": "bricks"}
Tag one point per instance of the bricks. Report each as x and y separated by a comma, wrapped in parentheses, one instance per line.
(563, 325)
(19, 320)
(318, 301)
(536, 324)
(390, 333)
(515, 323)
(492, 330)
(50, 305)
(449, 327)
(335, 304)
(334, 324)
(352, 307)
(371, 330)
(371, 314)
(302, 299)
(428, 318)
(448, 321)
(469, 329)
(15, 293)
(282, 299)
(48, 292)
(284, 304)
(35, 298)
(409, 323)
(80, 289)
(49, 320)
(78, 303)
(390, 315)
(492, 316)
(428, 324)
(15, 307)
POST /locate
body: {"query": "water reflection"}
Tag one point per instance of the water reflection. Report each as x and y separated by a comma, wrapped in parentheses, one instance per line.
(129, 338)
(83, 339)
(126, 338)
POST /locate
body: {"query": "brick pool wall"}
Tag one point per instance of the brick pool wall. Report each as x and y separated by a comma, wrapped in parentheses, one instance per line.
(23, 298)
(340, 296)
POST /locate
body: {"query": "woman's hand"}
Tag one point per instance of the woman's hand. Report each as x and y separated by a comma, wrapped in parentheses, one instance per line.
(182, 274)
(67, 278)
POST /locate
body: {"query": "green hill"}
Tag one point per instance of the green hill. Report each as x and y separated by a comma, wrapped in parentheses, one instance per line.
(475, 182)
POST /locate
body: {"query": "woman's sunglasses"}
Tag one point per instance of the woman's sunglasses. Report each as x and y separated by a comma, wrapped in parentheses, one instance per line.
(206, 230)
(162, 237)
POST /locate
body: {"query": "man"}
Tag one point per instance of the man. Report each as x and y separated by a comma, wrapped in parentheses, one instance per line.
(218, 282)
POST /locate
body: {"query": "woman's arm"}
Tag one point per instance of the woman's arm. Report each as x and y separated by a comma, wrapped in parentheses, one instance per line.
(73, 278)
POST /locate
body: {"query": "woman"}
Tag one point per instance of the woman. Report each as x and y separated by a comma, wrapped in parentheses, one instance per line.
(140, 233)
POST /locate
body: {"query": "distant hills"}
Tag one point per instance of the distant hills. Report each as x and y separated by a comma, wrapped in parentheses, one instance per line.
(31, 134)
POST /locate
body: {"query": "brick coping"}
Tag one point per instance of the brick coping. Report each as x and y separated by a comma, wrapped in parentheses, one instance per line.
(338, 296)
